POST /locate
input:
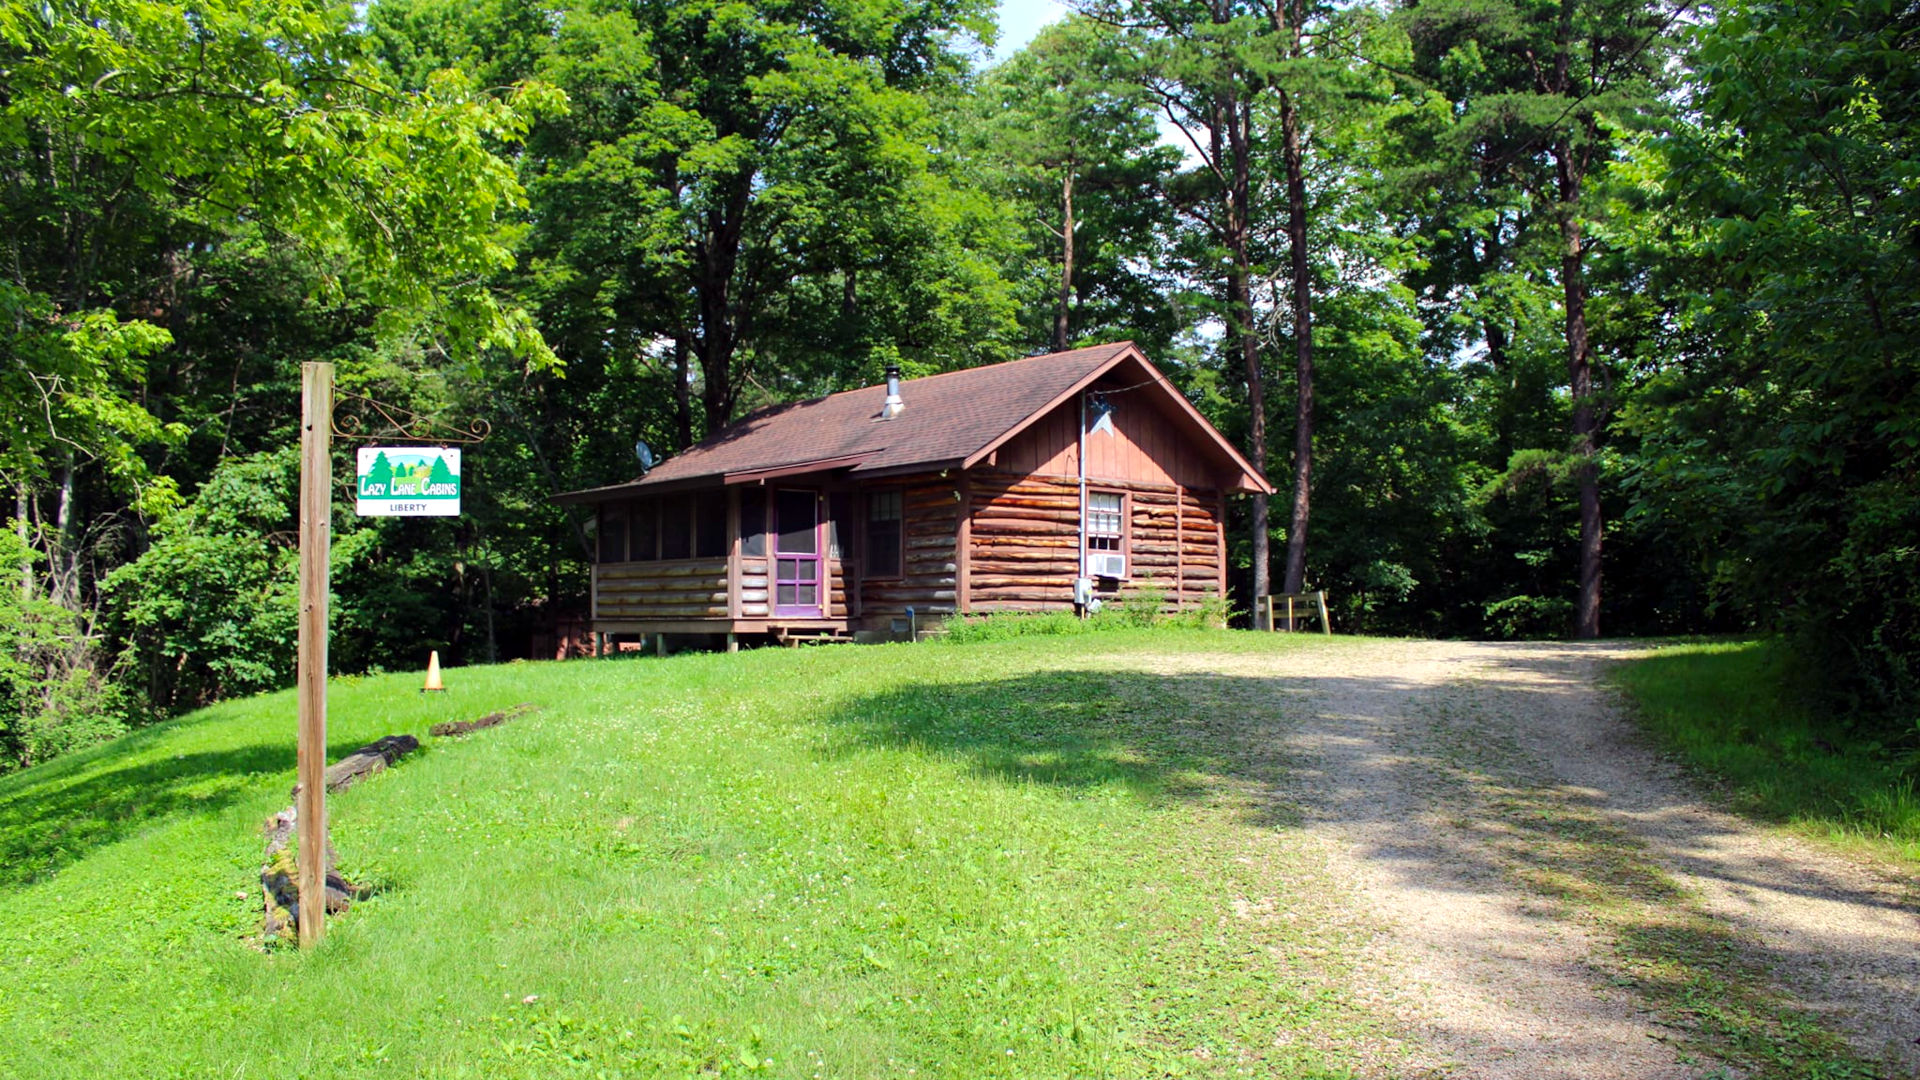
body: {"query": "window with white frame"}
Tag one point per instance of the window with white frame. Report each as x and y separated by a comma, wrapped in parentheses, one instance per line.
(1106, 520)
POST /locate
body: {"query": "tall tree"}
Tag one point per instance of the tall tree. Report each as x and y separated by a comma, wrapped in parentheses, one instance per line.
(147, 146)
(1544, 90)
(745, 194)
(1781, 434)
(1207, 65)
(1238, 81)
(1075, 143)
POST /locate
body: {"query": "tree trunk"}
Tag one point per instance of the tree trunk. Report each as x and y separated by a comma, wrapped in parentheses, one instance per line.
(1586, 622)
(25, 533)
(682, 392)
(62, 561)
(718, 256)
(1061, 334)
(1240, 302)
(1296, 575)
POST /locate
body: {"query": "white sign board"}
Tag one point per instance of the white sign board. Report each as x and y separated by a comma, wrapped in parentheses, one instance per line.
(407, 481)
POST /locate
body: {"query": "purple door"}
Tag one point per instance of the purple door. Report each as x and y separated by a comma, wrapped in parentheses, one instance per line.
(796, 553)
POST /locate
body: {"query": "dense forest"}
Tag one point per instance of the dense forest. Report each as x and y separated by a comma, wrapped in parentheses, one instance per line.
(1545, 317)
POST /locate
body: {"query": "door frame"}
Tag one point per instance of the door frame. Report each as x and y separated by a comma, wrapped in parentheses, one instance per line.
(817, 557)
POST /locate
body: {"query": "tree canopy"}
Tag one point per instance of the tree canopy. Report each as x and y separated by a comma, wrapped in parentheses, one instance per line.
(1508, 298)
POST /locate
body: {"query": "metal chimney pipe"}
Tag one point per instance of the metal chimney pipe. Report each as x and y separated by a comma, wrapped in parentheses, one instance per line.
(894, 405)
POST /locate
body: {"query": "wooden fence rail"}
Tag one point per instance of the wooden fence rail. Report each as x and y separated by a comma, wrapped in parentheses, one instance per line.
(1296, 606)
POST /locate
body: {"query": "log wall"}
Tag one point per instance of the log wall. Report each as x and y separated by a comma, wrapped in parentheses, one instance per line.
(677, 589)
(1025, 542)
(930, 509)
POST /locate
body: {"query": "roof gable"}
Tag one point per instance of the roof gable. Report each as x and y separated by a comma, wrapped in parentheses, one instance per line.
(950, 420)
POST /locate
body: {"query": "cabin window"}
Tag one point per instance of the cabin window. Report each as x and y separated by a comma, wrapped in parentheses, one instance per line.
(884, 533)
(753, 522)
(839, 524)
(613, 534)
(676, 528)
(645, 529)
(1106, 521)
(710, 525)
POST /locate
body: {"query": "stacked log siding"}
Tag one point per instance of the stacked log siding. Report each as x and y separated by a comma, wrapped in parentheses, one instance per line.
(928, 580)
(1025, 549)
(677, 589)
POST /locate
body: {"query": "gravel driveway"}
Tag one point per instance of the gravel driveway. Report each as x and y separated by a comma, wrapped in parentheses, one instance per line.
(1554, 898)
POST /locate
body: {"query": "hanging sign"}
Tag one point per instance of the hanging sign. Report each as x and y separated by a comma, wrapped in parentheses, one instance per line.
(407, 481)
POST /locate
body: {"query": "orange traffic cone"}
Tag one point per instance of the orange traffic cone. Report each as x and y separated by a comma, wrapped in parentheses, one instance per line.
(433, 674)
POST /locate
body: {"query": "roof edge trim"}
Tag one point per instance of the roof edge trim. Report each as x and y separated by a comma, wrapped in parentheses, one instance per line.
(1253, 481)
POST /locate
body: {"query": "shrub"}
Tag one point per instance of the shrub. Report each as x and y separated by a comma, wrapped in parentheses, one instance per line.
(53, 698)
(209, 611)
(1142, 608)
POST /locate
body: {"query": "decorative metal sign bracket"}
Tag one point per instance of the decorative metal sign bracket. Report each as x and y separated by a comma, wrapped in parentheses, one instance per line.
(403, 425)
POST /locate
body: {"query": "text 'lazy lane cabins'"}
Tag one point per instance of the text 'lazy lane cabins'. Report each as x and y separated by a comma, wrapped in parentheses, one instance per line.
(1041, 484)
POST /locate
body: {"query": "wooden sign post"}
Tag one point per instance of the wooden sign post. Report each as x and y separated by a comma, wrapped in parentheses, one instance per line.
(431, 491)
(316, 538)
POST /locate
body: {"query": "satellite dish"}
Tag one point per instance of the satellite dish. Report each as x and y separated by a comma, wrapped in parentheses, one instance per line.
(645, 453)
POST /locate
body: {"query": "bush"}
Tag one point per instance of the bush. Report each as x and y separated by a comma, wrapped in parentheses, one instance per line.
(1142, 608)
(209, 611)
(53, 698)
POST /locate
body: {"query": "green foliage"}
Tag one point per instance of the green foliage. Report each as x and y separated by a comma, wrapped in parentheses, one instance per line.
(52, 701)
(209, 610)
(1060, 129)
(1733, 711)
(1134, 610)
(703, 207)
(1783, 439)
(1003, 626)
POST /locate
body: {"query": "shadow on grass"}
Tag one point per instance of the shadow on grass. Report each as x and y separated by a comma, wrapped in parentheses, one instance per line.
(1365, 754)
(44, 827)
(49, 821)
(1185, 737)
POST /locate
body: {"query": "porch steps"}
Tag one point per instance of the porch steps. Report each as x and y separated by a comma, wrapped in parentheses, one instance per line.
(810, 635)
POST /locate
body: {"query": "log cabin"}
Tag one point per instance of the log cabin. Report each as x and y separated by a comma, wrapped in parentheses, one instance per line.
(1042, 484)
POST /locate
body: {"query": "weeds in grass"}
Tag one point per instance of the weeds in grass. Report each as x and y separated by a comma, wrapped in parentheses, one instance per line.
(1725, 709)
(1712, 996)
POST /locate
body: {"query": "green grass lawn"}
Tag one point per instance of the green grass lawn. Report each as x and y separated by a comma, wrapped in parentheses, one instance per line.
(1725, 709)
(1015, 859)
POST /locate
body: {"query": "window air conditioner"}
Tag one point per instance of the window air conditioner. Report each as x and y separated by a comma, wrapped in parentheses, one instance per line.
(1106, 565)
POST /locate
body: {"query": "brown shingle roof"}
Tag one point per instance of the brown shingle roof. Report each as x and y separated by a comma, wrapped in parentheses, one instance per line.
(947, 419)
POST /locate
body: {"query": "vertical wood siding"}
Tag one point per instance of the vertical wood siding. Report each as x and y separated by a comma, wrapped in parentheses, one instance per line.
(1145, 448)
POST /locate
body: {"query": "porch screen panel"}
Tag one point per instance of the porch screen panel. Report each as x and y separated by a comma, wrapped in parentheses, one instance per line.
(676, 528)
(613, 533)
(645, 531)
(795, 511)
(839, 524)
(753, 522)
(709, 525)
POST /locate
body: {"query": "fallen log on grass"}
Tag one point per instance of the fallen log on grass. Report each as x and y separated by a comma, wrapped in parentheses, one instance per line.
(280, 880)
(364, 762)
(280, 877)
(462, 727)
